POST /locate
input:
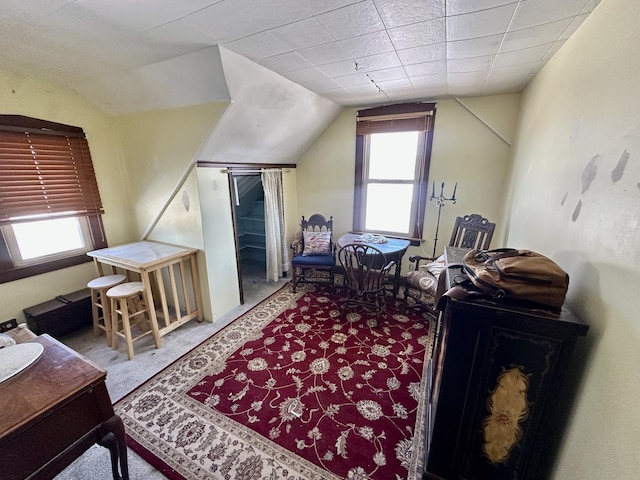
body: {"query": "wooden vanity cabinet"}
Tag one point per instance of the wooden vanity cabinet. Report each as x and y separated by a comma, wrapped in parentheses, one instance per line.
(496, 388)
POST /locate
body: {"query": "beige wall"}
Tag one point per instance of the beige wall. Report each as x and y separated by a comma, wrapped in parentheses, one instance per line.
(325, 174)
(219, 242)
(158, 147)
(465, 150)
(30, 97)
(575, 196)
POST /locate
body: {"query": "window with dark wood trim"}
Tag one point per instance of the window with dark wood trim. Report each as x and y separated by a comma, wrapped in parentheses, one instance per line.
(410, 117)
(46, 173)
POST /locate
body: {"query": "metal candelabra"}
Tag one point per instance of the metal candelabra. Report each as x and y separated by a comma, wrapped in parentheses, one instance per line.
(440, 199)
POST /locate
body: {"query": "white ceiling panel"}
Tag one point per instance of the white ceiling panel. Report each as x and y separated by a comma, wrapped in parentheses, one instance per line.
(398, 84)
(338, 69)
(143, 14)
(303, 34)
(480, 24)
(259, 46)
(432, 92)
(470, 64)
(263, 15)
(317, 7)
(396, 13)
(352, 21)
(381, 61)
(323, 45)
(512, 75)
(423, 33)
(538, 12)
(476, 47)
(517, 57)
(458, 7)
(530, 37)
(323, 85)
(352, 80)
(427, 68)
(426, 80)
(397, 73)
(323, 54)
(369, 44)
(365, 88)
(426, 53)
(305, 75)
(287, 62)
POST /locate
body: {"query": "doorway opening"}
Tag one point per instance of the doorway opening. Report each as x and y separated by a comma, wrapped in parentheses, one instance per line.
(250, 230)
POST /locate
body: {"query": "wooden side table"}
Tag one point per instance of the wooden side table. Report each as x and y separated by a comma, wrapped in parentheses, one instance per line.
(53, 411)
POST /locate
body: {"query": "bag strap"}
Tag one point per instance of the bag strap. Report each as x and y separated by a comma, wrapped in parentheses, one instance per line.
(494, 291)
(459, 278)
(490, 256)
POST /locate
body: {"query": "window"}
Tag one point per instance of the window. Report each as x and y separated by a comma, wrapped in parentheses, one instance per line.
(393, 150)
(50, 207)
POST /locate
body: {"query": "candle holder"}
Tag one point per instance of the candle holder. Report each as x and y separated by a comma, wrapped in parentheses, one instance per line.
(440, 201)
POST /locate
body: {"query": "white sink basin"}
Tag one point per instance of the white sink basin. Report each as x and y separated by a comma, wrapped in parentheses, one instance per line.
(16, 358)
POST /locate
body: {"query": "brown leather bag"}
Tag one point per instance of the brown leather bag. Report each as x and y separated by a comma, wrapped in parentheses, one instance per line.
(517, 274)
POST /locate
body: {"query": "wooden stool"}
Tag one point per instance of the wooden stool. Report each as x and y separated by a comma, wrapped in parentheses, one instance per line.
(100, 311)
(129, 304)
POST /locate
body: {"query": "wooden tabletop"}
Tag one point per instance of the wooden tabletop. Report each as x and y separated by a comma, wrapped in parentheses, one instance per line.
(57, 375)
(142, 255)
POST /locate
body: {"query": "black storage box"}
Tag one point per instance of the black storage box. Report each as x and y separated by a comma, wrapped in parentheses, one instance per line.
(62, 315)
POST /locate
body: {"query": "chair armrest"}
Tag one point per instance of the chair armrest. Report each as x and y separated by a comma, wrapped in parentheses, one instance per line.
(418, 258)
(296, 246)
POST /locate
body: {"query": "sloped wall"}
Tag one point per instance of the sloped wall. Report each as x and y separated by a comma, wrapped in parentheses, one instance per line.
(158, 148)
(575, 196)
(270, 119)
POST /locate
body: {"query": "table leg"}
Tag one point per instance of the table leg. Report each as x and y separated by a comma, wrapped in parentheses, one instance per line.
(99, 268)
(195, 283)
(148, 297)
(112, 437)
(396, 283)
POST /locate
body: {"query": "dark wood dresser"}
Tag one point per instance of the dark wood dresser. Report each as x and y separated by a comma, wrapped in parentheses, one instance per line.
(52, 412)
(496, 386)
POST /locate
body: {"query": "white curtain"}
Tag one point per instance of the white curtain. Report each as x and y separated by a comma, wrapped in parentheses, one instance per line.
(277, 251)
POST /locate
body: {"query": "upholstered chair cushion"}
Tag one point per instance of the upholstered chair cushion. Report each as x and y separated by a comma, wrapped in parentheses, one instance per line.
(426, 277)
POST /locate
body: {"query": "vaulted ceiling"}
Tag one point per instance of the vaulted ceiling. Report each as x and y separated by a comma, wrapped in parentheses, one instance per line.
(128, 55)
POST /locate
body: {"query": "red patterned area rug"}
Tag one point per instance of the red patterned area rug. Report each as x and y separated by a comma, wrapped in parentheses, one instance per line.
(292, 389)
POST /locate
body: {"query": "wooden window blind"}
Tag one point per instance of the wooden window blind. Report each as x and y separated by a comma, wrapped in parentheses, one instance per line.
(45, 170)
(396, 118)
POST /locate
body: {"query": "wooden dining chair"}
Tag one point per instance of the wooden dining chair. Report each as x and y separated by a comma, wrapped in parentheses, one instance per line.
(470, 231)
(314, 254)
(366, 271)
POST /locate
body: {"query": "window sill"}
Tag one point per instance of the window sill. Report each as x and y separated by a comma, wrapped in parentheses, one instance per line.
(32, 270)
